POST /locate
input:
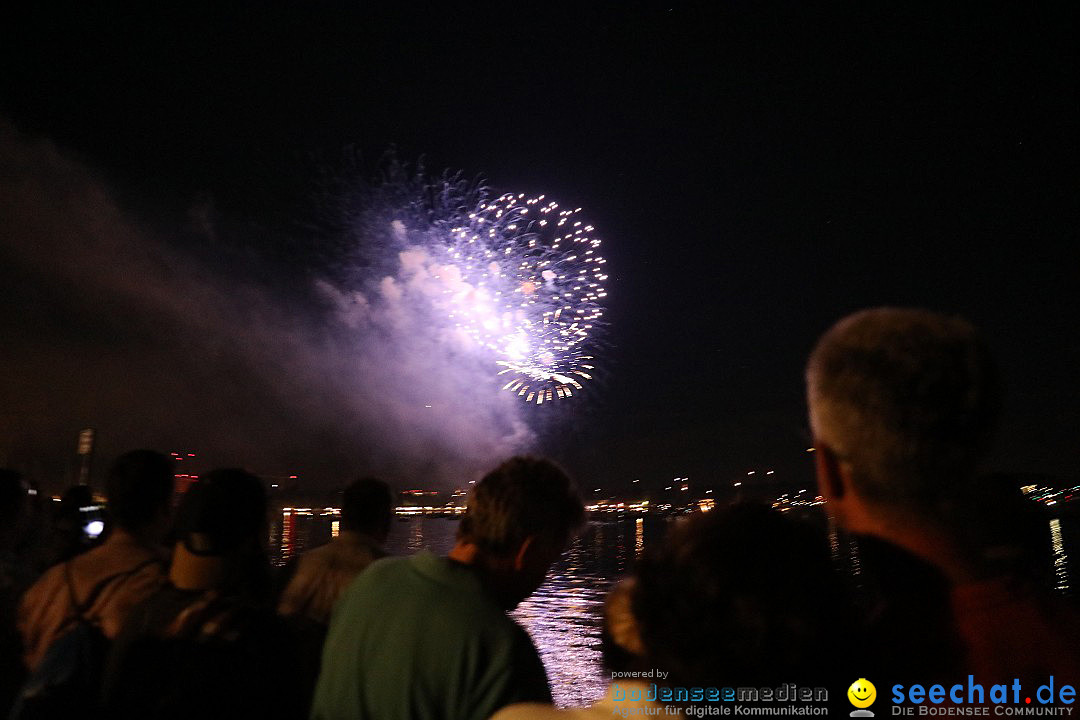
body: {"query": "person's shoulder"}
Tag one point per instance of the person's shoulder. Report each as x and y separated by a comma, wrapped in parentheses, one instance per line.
(441, 570)
(1017, 629)
(348, 550)
(53, 574)
(314, 557)
(513, 671)
(141, 573)
(379, 576)
(119, 555)
(45, 587)
(489, 630)
(390, 565)
(1002, 598)
(237, 619)
(423, 564)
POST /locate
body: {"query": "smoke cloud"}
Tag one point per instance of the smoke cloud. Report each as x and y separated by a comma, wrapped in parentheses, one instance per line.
(108, 322)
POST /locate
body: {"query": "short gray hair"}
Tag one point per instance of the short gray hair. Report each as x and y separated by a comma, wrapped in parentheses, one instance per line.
(909, 398)
(523, 497)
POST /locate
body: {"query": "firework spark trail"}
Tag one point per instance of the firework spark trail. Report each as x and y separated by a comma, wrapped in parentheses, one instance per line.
(522, 280)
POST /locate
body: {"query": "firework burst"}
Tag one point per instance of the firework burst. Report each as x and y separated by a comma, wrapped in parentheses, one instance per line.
(524, 279)
(517, 281)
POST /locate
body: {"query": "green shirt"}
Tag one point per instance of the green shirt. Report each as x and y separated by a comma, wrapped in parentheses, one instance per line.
(417, 638)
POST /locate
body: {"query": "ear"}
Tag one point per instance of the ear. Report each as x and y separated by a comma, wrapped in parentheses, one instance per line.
(831, 476)
(522, 555)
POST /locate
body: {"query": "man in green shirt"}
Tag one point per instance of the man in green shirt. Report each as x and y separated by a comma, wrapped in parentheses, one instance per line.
(428, 638)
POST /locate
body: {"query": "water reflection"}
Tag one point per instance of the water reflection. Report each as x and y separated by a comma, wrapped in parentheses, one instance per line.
(415, 542)
(834, 543)
(1061, 559)
(301, 529)
(564, 619)
(288, 535)
(856, 562)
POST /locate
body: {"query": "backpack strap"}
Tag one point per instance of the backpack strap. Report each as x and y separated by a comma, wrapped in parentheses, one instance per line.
(80, 609)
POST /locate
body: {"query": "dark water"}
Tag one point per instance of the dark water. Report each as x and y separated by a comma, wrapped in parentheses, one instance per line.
(564, 615)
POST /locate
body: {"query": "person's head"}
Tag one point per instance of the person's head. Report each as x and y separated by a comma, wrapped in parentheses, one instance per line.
(367, 507)
(222, 522)
(222, 513)
(139, 489)
(903, 403)
(740, 594)
(519, 519)
(73, 500)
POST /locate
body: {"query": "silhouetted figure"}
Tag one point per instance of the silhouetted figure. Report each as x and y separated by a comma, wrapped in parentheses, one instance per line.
(743, 595)
(319, 576)
(207, 644)
(428, 637)
(322, 574)
(113, 577)
(905, 615)
(903, 405)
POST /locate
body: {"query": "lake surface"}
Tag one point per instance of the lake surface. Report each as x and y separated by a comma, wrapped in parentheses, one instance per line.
(564, 616)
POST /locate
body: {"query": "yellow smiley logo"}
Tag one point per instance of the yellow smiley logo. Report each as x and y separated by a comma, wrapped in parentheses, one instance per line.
(862, 693)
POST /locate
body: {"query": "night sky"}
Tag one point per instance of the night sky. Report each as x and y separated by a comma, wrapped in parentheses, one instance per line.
(756, 170)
